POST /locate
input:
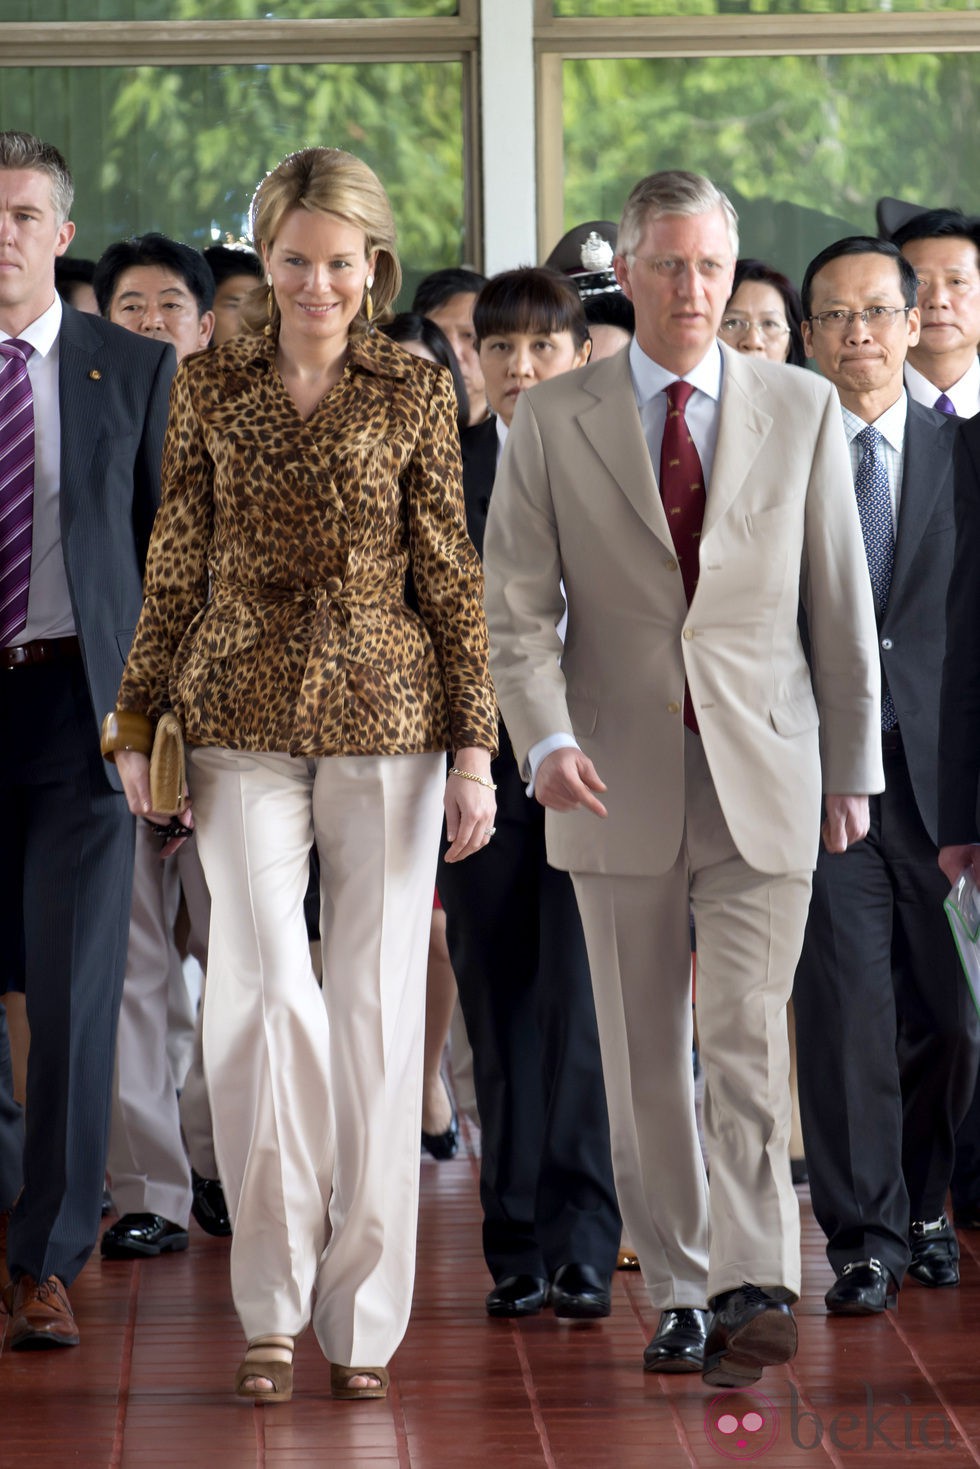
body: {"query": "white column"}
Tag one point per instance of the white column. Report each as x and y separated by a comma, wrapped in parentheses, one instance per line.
(508, 134)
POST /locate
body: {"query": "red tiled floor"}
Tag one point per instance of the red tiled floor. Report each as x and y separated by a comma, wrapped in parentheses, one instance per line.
(150, 1385)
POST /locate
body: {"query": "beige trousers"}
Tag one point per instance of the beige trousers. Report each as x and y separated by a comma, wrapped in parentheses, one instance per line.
(749, 935)
(146, 1160)
(316, 1096)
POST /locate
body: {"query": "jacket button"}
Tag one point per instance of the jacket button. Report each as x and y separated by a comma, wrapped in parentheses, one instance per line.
(333, 586)
(886, 643)
(673, 708)
(688, 634)
(671, 565)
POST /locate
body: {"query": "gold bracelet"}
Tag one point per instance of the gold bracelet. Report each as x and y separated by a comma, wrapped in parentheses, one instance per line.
(468, 775)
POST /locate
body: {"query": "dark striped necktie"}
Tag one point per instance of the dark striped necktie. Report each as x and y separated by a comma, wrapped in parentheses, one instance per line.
(16, 486)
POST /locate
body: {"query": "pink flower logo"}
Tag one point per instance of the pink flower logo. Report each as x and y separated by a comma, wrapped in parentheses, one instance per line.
(741, 1425)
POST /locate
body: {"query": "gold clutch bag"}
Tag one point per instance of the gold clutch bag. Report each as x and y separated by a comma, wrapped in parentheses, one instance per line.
(168, 769)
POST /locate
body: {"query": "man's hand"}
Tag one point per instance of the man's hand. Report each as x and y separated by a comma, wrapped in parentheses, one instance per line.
(953, 861)
(566, 780)
(846, 821)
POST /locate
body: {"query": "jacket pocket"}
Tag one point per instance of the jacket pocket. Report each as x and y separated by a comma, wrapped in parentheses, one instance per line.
(794, 716)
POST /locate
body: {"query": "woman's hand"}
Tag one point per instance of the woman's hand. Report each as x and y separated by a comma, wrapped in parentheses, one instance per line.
(134, 772)
(470, 805)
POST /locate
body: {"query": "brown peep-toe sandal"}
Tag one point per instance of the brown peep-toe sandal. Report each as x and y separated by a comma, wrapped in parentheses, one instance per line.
(268, 1359)
(340, 1382)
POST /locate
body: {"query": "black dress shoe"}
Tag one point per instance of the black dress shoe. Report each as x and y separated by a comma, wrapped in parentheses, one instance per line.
(750, 1330)
(208, 1205)
(579, 1293)
(679, 1343)
(517, 1295)
(935, 1253)
(443, 1145)
(863, 1288)
(135, 1236)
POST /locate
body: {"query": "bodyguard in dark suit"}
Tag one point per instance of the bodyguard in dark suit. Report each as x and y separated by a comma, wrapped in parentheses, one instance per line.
(551, 1224)
(959, 753)
(887, 1039)
(92, 440)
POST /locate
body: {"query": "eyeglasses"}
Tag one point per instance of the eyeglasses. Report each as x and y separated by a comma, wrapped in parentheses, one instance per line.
(672, 267)
(739, 326)
(876, 317)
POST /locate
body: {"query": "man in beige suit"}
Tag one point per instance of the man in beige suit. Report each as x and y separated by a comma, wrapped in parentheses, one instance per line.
(686, 498)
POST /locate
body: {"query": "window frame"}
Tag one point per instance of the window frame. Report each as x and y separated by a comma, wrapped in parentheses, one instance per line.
(702, 36)
(272, 42)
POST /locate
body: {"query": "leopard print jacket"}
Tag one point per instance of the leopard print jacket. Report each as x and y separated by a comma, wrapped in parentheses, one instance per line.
(274, 614)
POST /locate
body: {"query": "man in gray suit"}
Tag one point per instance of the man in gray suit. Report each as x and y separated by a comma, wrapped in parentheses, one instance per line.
(887, 1053)
(680, 498)
(95, 414)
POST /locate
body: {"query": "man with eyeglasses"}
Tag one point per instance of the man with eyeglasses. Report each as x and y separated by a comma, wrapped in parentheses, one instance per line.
(888, 1045)
(683, 494)
(943, 370)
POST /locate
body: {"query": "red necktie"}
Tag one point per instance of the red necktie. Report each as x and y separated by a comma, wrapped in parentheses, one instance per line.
(682, 491)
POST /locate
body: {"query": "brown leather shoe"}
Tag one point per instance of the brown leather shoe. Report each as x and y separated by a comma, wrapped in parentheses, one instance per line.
(41, 1315)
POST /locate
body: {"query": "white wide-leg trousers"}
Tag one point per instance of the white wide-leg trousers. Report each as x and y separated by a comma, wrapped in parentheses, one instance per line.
(316, 1096)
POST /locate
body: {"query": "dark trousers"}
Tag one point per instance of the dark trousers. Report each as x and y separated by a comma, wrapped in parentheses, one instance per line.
(65, 881)
(516, 944)
(887, 1040)
(965, 1183)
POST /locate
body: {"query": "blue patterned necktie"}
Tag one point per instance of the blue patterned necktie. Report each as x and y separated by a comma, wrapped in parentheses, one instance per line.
(874, 502)
(944, 404)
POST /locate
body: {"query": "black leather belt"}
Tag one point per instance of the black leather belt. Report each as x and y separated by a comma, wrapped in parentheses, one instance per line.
(45, 650)
(891, 741)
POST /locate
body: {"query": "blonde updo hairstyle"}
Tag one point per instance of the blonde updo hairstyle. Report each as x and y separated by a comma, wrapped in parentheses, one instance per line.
(329, 181)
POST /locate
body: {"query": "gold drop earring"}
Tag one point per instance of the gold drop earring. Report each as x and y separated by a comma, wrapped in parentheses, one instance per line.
(270, 304)
(368, 303)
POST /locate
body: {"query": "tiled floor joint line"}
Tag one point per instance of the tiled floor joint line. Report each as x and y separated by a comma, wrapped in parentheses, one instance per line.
(125, 1369)
(941, 1398)
(807, 1402)
(532, 1397)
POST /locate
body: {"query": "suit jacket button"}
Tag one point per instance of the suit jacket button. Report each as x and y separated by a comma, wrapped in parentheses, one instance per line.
(886, 643)
(688, 634)
(333, 586)
(671, 564)
(673, 708)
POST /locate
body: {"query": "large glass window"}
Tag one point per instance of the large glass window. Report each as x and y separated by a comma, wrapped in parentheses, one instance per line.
(805, 145)
(109, 10)
(180, 149)
(614, 8)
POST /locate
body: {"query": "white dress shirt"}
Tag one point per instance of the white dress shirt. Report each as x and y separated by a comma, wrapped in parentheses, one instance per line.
(49, 610)
(650, 384)
(964, 395)
(891, 426)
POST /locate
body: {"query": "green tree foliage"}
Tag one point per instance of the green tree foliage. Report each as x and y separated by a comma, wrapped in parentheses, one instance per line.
(181, 149)
(804, 145)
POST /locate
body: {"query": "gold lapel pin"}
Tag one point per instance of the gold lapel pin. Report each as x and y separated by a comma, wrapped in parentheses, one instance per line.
(95, 375)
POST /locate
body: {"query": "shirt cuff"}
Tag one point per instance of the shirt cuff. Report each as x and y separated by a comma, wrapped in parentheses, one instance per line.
(542, 749)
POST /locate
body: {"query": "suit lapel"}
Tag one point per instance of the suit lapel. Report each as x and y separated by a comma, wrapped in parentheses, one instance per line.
(743, 428)
(921, 485)
(83, 380)
(610, 421)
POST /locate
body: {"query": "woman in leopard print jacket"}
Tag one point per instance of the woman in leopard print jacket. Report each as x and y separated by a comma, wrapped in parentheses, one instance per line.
(310, 465)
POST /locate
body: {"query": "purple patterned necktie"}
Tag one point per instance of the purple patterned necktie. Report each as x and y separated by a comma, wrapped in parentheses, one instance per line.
(16, 486)
(944, 404)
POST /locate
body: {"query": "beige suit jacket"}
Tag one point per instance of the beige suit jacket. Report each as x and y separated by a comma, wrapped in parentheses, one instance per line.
(576, 500)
